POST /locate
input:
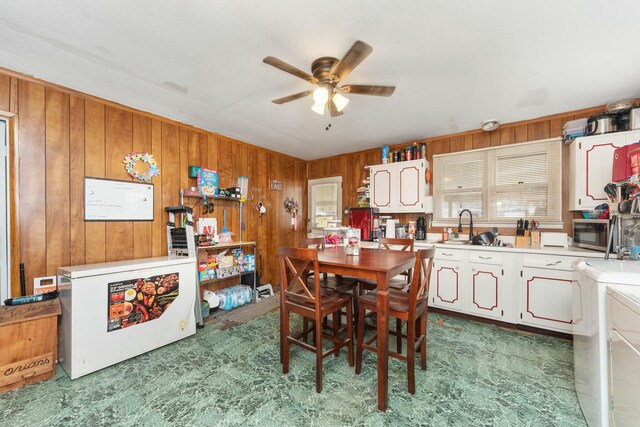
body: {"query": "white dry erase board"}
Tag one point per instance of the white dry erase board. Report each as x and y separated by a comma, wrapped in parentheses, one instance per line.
(112, 200)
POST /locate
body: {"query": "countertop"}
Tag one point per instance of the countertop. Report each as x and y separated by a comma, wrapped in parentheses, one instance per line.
(547, 250)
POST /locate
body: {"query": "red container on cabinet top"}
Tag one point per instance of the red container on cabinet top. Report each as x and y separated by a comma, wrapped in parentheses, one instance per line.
(626, 162)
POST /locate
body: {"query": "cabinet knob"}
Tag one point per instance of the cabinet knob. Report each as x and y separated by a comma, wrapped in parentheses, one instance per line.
(473, 269)
(457, 267)
(484, 257)
(553, 263)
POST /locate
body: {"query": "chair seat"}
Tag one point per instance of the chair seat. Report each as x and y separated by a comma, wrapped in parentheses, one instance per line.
(394, 283)
(343, 285)
(398, 300)
(330, 298)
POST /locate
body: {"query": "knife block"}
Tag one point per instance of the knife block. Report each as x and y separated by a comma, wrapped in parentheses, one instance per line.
(523, 241)
(535, 238)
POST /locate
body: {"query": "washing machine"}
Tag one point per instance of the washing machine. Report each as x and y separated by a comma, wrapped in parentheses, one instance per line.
(590, 336)
(623, 326)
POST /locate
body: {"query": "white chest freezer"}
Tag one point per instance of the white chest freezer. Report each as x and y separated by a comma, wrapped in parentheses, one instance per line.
(590, 332)
(114, 311)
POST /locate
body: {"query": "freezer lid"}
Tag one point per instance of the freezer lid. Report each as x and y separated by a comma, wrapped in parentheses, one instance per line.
(612, 271)
(628, 295)
(90, 270)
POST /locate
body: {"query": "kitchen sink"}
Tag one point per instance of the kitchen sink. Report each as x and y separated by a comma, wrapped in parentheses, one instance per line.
(455, 242)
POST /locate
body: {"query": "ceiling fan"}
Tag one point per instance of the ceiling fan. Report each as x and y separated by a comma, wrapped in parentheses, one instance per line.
(327, 73)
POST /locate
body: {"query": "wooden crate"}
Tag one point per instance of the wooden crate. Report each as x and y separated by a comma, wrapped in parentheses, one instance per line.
(28, 343)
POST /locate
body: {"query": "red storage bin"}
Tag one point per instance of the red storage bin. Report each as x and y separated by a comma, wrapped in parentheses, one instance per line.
(626, 162)
(621, 169)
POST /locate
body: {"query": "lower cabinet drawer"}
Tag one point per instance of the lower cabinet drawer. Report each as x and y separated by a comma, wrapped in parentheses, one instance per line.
(449, 254)
(482, 257)
(552, 262)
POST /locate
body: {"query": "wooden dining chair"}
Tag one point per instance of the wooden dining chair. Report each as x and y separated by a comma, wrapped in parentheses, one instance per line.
(335, 282)
(410, 307)
(311, 301)
(391, 244)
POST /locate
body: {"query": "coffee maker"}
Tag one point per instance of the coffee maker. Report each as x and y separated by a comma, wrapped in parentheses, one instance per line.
(421, 228)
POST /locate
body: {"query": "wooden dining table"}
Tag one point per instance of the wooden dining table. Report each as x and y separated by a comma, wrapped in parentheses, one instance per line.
(374, 265)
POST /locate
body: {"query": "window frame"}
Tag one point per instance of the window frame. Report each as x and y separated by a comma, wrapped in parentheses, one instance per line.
(311, 199)
(551, 146)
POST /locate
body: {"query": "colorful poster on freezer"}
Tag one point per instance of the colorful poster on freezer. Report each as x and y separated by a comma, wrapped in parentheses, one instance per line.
(140, 300)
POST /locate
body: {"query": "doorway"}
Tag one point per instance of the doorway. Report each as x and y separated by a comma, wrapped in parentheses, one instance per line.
(325, 203)
(4, 211)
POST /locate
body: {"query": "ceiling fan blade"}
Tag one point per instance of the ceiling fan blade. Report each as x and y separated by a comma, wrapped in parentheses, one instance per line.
(333, 110)
(358, 52)
(368, 90)
(292, 97)
(278, 63)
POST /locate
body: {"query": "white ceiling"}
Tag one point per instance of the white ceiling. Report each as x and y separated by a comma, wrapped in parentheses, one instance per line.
(455, 63)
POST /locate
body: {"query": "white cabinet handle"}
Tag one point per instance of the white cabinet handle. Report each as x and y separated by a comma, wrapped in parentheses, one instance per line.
(485, 257)
(446, 254)
(553, 263)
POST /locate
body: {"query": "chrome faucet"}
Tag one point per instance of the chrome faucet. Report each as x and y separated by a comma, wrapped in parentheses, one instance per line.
(470, 223)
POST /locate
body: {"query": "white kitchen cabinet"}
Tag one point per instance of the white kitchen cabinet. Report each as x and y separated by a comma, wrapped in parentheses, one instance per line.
(547, 298)
(447, 288)
(383, 179)
(486, 284)
(400, 187)
(591, 160)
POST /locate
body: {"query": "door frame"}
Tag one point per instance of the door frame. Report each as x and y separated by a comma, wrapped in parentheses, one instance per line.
(13, 234)
(310, 184)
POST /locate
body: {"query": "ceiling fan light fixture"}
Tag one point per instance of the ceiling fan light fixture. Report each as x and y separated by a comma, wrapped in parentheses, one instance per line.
(318, 108)
(340, 101)
(320, 95)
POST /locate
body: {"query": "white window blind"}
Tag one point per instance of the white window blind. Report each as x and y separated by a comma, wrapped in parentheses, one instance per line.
(463, 179)
(461, 175)
(501, 184)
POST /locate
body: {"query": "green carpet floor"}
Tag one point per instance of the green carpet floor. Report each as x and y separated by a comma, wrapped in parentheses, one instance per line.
(477, 375)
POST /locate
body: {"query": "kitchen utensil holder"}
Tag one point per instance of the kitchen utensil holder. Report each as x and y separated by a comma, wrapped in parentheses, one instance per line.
(523, 241)
(535, 238)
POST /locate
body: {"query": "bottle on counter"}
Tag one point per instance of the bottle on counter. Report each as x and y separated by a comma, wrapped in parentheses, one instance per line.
(403, 155)
(423, 150)
(409, 153)
(417, 155)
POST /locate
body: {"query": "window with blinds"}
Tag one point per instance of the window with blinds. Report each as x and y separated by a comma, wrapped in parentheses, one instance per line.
(501, 184)
(463, 185)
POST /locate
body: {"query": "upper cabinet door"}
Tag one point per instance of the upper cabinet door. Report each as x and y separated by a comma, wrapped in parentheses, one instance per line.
(591, 167)
(382, 187)
(411, 186)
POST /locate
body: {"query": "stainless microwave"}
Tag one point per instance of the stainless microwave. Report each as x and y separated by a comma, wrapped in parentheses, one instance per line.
(591, 233)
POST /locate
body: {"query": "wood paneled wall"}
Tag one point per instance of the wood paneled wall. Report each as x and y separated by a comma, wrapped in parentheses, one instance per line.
(63, 136)
(351, 166)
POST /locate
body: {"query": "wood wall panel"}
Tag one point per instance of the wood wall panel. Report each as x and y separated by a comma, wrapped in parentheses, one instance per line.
(32, 210)
(142, 230)
(169, 172)
(64, 135)
(94, 166)
(118, 143)
(159, 231)
(56, 170)
(77, 241)
(5, 92)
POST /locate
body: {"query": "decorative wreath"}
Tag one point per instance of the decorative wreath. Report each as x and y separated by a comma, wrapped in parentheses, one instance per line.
(130, 161)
